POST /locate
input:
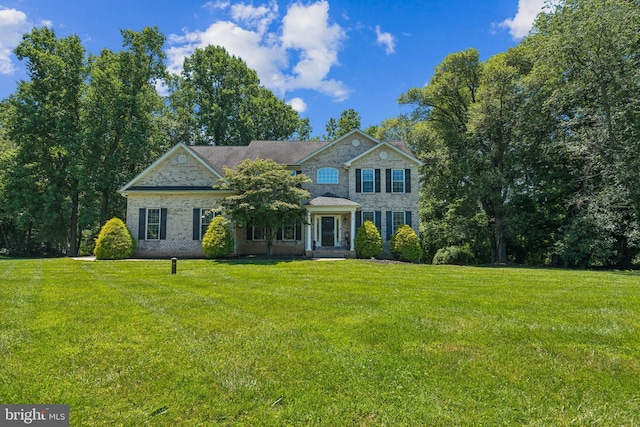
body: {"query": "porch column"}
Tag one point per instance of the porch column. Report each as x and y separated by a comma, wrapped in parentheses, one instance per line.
(353, 230)
(307, 230)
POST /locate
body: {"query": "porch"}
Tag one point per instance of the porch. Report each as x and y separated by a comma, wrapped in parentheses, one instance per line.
(331, 226)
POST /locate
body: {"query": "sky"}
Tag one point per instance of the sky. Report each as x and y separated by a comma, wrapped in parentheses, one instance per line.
(320, 56)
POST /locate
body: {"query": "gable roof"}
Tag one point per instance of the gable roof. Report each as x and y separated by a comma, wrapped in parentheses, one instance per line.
(287, 153)
(151, 167)
(398, 147)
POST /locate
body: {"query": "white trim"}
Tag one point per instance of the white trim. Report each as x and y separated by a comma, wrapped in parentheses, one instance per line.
(382, 144)
(163, 158)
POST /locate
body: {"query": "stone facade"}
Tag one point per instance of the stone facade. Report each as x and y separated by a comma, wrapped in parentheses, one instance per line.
(182, 181)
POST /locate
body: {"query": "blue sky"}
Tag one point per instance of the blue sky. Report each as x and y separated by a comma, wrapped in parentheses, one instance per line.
(321, 56)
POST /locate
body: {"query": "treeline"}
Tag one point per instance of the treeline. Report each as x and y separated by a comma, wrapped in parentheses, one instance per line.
(84, 125)
(533, 156)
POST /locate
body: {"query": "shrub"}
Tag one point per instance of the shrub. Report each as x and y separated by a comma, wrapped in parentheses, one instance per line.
(405, 244)
(368, 242)
(114, 241)
(459, 255)
(218, 241)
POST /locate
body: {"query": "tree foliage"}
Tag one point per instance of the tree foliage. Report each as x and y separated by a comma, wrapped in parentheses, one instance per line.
(266, 195)
(218, 100)
(349, 120)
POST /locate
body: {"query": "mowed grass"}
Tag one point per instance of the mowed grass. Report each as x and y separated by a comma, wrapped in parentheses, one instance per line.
(262, 343)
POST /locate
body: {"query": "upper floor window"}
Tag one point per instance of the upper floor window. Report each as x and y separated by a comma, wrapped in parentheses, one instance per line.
(327, 176)
(368, 179)
(397, 181)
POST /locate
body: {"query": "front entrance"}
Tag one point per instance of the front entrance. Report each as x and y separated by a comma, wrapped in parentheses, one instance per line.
(328, 231)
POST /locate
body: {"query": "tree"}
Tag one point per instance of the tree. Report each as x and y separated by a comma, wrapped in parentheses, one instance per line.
(218, 100)
(121, 113)
(587, 53)
(348, 121)
(267, 196)
(43, 120)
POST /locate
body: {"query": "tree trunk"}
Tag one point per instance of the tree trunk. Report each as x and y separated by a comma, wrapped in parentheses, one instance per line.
(501, 241)
(73, 226)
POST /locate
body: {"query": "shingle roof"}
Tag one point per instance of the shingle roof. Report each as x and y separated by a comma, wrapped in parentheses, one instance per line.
(283, 152)
(332, 201)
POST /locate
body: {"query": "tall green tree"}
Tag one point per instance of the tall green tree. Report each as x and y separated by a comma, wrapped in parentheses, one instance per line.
(588, 53)
(44, 122)
(349, 120)
(122, 116)
(267, 196)
(218, 100)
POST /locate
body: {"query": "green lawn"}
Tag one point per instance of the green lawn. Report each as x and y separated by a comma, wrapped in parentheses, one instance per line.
(126, 343)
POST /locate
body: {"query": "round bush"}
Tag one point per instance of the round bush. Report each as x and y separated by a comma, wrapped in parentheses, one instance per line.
(368, 242)
(458, 255)
(218, 241)
(114, 241)
(405, 244)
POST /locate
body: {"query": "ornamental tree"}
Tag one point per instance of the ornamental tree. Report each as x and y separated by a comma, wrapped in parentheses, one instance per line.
(266, 196)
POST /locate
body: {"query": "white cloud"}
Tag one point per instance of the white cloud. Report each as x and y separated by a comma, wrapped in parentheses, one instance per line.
(305, 34)
(13, 24)
(520, 25)
(387, 40)
(298, 104)
(212, 6)
(255, 17)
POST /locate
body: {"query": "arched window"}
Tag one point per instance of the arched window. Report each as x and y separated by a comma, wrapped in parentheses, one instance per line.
(327, 176)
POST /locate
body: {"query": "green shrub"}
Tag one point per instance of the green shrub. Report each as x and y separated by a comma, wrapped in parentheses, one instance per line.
(405, 244)
(218, 241)
(114, 241)
(458, 255)
(368, 242)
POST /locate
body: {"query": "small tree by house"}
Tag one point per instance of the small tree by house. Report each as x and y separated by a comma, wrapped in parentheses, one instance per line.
(405, 244)
(114, 241)
(267, 195)
(368, 241)
(218, 240)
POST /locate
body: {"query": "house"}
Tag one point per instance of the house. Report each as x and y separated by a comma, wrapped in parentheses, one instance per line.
(355, 178)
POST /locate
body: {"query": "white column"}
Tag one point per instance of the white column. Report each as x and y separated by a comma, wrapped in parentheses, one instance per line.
(353, 230)
(308, 232)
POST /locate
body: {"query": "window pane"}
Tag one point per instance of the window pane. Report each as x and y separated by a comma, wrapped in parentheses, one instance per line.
(368, 216)
(206, 215)
(289, 232)
(367, 180)
(397, 179)
(153, 224)
(398, 220)
(327, 176)
(258, 233)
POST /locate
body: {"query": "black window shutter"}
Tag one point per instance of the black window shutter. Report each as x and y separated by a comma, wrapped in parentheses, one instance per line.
(407, 218)
(358, 220)
(249, 232)
(407, 180)
(298, 231)
(378, 219)
(163, 224)
(358, 180)
(377, 175)
(142, 223)
(389, 224)
(388, 180)
(196, 224)
(279, 234)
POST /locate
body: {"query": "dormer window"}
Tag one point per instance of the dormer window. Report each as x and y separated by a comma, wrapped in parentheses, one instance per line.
(327, 176)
